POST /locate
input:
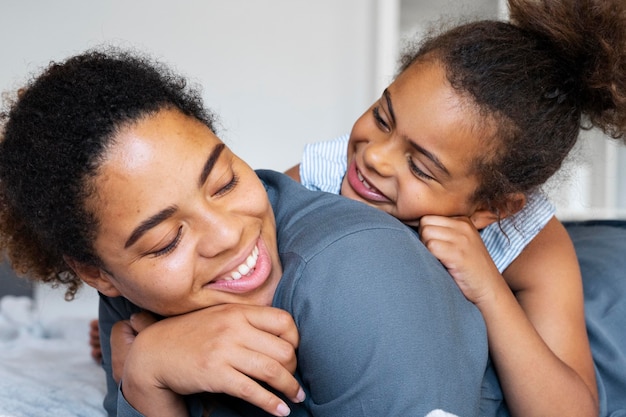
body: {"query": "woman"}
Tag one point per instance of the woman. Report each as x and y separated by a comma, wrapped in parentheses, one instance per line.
(111, 174)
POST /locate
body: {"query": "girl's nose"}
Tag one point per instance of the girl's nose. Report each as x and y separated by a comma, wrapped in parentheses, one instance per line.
(381, 156)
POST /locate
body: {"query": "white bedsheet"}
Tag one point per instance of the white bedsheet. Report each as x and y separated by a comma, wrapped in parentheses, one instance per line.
(45, 367)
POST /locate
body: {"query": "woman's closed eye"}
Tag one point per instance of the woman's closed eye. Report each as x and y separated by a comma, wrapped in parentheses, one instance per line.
(173, 243)
(228, 187)
(417, 170)
(169, 247)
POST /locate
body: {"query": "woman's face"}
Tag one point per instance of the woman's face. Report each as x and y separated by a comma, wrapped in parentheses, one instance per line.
(411, 153)
(183, 222)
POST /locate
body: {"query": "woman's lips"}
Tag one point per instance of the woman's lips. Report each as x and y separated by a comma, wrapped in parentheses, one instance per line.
(249, 275)
(362, 187)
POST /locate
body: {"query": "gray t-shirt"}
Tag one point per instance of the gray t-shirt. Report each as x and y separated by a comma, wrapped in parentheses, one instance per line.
(384, 330)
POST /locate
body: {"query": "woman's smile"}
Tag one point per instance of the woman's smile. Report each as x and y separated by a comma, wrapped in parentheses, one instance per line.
(248, 275)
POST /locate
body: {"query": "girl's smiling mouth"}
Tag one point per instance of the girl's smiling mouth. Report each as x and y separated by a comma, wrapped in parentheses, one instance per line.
(362, 187)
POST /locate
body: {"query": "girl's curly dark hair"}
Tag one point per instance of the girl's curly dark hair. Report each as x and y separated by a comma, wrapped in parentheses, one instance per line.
(556, 67)
(54, 137)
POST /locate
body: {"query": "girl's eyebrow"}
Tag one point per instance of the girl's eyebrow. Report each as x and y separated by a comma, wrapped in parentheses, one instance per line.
(387, 96)
(431, 156)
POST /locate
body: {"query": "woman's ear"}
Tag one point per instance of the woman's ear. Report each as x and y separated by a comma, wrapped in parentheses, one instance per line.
(93, 276)
(484, 216)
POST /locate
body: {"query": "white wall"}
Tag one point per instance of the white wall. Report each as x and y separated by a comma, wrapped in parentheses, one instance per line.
(280, 73)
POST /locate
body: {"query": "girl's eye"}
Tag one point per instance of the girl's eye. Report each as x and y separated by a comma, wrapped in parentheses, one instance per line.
(417, 171)
(379, 120)
(228, 187)
(170, 246)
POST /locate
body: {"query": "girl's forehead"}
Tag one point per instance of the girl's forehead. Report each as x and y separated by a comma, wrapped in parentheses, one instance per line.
(424, 87)
(431, 113)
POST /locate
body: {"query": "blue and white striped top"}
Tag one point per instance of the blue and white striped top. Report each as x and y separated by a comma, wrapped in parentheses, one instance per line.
(324, 164)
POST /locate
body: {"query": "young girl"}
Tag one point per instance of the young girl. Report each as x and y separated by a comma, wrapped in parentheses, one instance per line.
(458, 145)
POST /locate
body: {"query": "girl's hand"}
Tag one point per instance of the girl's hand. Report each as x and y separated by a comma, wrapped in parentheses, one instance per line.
(459, 247)
(94, 341)
(220, 349)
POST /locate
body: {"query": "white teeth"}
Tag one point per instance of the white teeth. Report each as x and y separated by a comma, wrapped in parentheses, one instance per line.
(365, 183)
(243, 270)
(246, 267)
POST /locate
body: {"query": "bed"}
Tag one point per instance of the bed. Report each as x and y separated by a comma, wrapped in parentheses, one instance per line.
(46, 369)
(45, 365)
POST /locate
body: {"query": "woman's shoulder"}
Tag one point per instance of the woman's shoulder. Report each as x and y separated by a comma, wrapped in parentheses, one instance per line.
(308, 221)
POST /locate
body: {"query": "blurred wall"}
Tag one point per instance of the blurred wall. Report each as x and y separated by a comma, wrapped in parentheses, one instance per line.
(280, 73)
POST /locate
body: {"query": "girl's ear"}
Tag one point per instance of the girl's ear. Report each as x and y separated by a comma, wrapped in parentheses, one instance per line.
(484, 216)
(93, 276)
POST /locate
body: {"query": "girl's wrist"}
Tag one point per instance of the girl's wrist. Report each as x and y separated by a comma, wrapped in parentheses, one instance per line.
(494, 295)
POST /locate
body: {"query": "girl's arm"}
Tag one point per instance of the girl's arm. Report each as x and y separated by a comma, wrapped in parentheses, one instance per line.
(533, 312)
(558, 365)
(294, 172)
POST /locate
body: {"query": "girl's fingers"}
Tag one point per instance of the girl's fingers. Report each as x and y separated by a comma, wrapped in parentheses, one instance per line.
(139, 321)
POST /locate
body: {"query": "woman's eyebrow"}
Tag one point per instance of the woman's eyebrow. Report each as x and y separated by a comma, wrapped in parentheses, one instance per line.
(210, 163)
(164, 214)
(149, 224)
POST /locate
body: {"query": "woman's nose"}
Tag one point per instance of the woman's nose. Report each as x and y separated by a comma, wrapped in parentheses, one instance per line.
(381, 157)
(220, 230)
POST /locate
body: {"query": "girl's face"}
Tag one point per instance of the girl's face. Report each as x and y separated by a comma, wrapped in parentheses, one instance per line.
(411, 153)
(183, 222)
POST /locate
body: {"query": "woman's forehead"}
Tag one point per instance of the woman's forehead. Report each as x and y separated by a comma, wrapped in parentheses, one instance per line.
(149, 161)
